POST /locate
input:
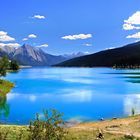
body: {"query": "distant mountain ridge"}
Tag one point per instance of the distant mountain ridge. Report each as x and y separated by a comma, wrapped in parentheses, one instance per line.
(123, 56)
(32, 56)
(73, 55)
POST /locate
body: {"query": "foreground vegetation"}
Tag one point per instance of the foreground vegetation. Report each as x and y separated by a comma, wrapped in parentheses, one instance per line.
(22, 133)
(52, 127)
(5, 87)
(5, 66)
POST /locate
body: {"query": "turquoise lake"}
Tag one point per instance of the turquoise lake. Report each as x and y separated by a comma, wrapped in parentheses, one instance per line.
(82, 94)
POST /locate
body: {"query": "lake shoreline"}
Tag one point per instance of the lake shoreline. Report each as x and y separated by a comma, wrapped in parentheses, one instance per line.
(22, 66)
(115, 128)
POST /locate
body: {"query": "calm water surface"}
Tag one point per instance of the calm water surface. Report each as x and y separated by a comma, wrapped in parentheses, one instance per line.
(82, 94)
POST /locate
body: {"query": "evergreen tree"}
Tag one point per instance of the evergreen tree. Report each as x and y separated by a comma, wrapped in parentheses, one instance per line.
(14, 65)
(4, 65)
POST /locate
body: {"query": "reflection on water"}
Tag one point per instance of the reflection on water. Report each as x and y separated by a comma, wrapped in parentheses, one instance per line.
(79, 96)
(133, 77)
(132, 101)
(134, 81)
(4, 107)
(82, 94)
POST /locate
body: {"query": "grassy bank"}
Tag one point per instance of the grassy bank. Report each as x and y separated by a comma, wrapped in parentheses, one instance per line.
(5, 87)
(118, 129)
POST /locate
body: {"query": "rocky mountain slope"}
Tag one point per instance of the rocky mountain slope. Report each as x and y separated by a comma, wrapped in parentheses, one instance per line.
(28, 55)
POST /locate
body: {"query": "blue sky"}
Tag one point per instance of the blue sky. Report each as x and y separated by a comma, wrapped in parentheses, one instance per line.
(66, 26)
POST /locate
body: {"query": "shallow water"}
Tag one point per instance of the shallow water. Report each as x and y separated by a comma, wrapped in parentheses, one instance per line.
(82, 94)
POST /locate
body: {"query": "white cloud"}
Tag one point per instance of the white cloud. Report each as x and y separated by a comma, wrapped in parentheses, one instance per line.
(134, 19)
(133, 22)
(39, 17)
(136, 36)
(24, 39)
(2, 33)
(79, 36)
(4, 37)
(127, 26)
(15, 45)
(87, 44)
(29, 36)
(32, 36)
(43, 46)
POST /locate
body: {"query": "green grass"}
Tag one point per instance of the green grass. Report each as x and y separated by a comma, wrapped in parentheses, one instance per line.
(91, 135)
(5, 87)
(21, 133)
(83, 131)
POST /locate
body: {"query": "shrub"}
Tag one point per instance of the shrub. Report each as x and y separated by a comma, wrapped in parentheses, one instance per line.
(129, 137)
(50, 128)
(14, 65)
(4, 65)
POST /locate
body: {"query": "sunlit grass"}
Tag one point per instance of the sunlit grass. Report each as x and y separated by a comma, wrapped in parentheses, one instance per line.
(5, 87)
(21, 133)
(119, 129)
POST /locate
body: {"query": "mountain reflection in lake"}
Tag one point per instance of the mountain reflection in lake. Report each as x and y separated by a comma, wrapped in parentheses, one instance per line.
(82, 94)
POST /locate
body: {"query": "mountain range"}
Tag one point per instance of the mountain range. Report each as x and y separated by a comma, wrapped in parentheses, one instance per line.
(128, 55)
(32, 56)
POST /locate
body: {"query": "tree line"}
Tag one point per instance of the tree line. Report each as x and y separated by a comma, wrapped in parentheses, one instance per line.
(7, 65)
